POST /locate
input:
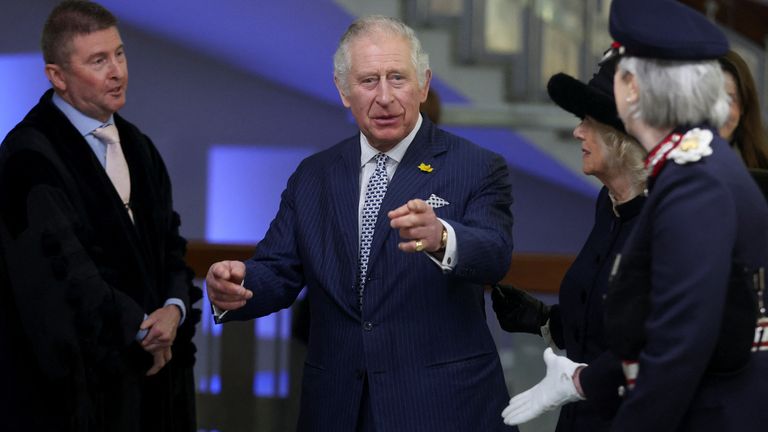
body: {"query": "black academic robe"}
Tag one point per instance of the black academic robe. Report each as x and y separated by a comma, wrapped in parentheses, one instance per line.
(78, 277)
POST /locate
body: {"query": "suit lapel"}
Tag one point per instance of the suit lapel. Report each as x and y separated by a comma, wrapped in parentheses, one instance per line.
(409, 181)
(344, 176)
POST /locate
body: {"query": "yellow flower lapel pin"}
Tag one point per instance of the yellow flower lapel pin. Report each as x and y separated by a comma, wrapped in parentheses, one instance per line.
(426, 168)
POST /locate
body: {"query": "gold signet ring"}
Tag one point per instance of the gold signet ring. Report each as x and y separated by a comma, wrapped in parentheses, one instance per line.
(419, 246)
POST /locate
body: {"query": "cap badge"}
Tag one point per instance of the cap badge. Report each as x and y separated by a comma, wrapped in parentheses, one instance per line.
(693, 146)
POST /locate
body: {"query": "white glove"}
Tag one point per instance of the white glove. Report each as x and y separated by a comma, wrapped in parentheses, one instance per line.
(554, 390)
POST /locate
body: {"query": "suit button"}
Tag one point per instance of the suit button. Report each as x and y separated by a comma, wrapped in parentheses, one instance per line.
(360, 373)
(367, 326)
(583, 296)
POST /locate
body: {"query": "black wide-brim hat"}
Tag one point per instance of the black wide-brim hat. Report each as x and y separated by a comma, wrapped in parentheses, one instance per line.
(594, 99)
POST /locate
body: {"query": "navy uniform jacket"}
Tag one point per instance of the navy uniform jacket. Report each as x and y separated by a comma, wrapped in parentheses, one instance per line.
(78, 277)
(682, 303)
(422, 339)
(577, 321)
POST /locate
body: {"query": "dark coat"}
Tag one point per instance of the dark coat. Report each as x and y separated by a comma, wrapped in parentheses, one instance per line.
(683, 305)
(422, 338)
(78, 279)
(576, 322)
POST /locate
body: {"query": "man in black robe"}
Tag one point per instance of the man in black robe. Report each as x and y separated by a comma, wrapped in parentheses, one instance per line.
(96, 317)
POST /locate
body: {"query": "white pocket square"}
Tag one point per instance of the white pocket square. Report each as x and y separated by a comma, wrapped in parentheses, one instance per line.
(435, 201)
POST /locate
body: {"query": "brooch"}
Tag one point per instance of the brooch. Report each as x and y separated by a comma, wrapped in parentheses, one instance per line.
(426, 168)
(693, 146)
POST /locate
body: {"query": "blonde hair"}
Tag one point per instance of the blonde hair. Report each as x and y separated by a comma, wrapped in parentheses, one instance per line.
(624, 154)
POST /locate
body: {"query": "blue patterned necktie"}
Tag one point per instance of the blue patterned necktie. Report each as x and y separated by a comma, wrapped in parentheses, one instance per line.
(377, 188)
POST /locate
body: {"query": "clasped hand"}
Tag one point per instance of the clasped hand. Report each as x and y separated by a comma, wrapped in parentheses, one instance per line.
(162, 325)
(416, 221)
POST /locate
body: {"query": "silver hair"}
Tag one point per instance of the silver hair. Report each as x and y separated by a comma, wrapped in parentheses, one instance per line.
(372, 24)
(676, 93)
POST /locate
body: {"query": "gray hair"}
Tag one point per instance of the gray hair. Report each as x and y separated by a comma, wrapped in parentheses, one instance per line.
(378, 24)
(676, 93)
(624, 154)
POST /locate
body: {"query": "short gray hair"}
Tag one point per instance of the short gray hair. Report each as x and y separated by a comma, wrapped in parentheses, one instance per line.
(378, 24)
(676, 93)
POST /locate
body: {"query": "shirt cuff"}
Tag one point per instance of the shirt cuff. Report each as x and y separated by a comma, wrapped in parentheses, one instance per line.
(218, 313)
(141, 334)
(450, 258)
(180, 304)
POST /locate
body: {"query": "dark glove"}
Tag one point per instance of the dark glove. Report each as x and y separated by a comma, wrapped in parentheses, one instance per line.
(517, 311)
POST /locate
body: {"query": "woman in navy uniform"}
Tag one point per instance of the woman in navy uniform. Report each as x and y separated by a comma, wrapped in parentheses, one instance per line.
(682, 308)
(576, 322)
(682, 305)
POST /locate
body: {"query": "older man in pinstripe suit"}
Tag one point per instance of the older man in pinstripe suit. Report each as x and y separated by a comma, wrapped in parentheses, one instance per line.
(394, 232)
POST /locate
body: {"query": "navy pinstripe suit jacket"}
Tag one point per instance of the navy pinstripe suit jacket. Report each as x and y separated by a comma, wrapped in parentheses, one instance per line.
(422, 338)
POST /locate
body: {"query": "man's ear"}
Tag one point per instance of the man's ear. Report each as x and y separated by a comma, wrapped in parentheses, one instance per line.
(425, 89)
(342, 91)
(56, 76)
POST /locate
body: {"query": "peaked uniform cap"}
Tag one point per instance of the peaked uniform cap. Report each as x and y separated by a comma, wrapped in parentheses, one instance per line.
(664, 29)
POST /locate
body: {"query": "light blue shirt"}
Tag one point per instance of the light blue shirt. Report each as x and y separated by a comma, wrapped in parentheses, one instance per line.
(85, 125)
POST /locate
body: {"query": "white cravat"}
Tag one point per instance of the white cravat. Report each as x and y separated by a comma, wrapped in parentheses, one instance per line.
(116, 166)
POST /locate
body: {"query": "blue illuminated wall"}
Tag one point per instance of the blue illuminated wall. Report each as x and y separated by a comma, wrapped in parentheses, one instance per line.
(244, 187)
(21, 83)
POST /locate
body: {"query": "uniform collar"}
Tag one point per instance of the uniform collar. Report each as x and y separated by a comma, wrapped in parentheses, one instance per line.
(657, 157)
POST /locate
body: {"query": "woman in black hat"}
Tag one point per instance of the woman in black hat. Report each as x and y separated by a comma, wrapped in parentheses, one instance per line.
(576, 322)
(682, 307)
